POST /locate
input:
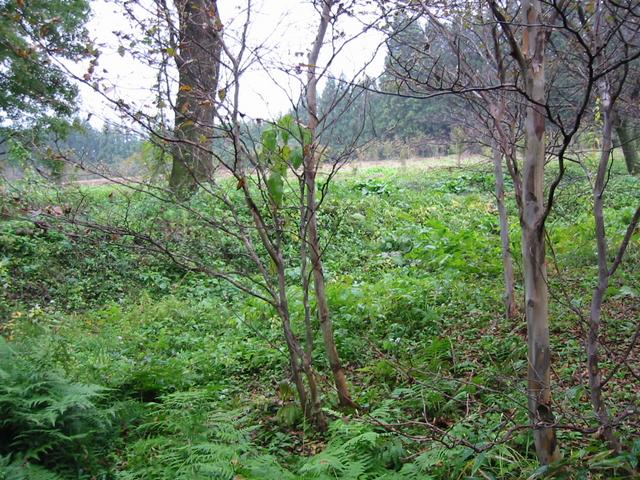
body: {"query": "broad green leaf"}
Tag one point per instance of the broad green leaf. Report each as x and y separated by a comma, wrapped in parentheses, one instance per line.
(269, 141)
(302, 134)
(285, 124)
(275, 186)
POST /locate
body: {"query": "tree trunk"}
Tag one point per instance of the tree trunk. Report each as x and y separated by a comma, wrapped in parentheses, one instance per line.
(310, 404)
(507, 261)
(322, 304)
(314, 397)
(315, 253)
(595, 314)
(497, 112)
(198, 59)
(299, 362)
(628, 144)
(533, 238)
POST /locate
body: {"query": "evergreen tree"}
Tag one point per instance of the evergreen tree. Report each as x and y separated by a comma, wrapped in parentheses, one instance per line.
(34, 91)
(390, 109)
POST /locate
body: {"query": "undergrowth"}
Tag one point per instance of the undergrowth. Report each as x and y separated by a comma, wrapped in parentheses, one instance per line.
(119, 365)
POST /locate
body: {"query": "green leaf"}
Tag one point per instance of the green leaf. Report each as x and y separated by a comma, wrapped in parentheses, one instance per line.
(301, 134)
(306, 136)
(286, 153)
(269, 141)
(275, 186)
(296, 157)
(285, 124)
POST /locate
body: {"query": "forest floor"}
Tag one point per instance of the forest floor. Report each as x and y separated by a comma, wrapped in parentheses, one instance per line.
(118, 364)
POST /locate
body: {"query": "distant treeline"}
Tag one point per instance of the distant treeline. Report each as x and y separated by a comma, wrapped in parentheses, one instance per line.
(383, 125)
(81, 145)
(108, 146)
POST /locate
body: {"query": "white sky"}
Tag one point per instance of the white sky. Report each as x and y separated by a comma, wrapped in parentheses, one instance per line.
(281, 27)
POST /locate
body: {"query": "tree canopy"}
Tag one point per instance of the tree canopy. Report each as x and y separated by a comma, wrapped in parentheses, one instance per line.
(34, 37)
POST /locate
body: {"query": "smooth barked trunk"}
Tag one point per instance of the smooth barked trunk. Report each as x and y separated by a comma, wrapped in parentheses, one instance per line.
(628, 145)
(300, 364)
(322, 305)
(315, 404)
(507, 260)
(595, 313)
(198, 61)
(533, 241)
(497, 113)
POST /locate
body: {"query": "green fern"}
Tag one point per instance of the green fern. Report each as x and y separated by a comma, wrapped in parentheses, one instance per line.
(45, 419)
(189, 438)
(265, 467)
(19, 469)
(356, 452)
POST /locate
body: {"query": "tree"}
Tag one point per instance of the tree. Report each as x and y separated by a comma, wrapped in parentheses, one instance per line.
(531, 59)
(602, 23)
(446, 62)
(36, 96)
(196, 46)
(625, 128)
(627, 143)
(488, 100)
(311, 161)
(34, 37)
(558, 107)
(252, 225)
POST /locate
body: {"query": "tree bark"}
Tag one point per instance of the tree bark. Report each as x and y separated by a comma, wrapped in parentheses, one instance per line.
(322, 304)
(628, 144)
(311, 162)
(202, 15)
(198, 59)
(507, 260)
(595, 314)
(310, 403)
(314, 397)
(533, 238)
(497, 113)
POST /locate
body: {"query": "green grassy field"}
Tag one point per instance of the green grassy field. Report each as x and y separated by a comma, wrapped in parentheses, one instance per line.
(117, 364)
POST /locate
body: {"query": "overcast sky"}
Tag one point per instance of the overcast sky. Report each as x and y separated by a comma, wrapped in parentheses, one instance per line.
(283, 28)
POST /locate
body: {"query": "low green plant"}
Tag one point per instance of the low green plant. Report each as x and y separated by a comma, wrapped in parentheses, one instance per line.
(47, 422)
(188, 436)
